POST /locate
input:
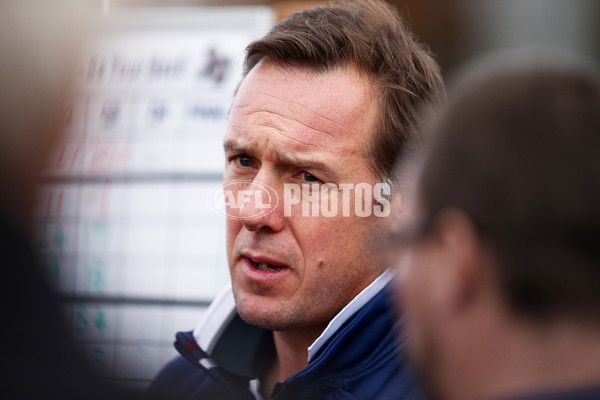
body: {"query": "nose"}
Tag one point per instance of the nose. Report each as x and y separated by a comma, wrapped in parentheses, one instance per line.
(261, 209)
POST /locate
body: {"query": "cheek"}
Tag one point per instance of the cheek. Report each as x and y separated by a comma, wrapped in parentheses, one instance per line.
(232, 228)
(329, 241)
(315, 240)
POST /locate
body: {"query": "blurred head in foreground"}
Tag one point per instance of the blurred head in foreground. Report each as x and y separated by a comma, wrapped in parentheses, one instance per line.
(39, 41)
(502, 294)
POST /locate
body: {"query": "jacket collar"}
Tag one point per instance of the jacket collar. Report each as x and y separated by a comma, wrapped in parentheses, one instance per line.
(246, 350)
(348, 311)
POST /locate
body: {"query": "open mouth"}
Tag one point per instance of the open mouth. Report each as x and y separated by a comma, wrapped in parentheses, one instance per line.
(265, 267)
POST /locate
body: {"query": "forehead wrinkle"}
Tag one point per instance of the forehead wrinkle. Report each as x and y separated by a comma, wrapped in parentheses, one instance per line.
(249, 144)
(231, 143)
(303, 106)
(313, 113)
(309, 144)
(293, 120)
(245, 126)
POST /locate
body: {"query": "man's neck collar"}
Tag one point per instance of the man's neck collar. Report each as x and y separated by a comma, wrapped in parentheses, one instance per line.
(350, 309)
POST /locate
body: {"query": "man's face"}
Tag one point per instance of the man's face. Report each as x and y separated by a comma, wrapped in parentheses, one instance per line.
(292, 126)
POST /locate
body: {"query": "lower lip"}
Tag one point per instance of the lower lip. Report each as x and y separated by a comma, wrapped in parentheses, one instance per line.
(257, 275)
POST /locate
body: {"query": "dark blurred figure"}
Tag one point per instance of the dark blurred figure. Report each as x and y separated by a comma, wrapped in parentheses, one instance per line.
(38, 43)
(502, 294)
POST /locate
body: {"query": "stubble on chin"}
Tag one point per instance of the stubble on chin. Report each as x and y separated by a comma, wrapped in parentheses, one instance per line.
(278, 317)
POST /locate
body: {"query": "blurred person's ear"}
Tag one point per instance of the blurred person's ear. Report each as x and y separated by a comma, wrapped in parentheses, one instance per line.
(39, 45)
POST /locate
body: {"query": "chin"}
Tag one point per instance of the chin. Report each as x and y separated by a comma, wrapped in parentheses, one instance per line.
(264, 313)
(265, 320)
(254, 309)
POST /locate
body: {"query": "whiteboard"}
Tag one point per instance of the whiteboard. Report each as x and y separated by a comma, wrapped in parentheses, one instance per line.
(122, 224)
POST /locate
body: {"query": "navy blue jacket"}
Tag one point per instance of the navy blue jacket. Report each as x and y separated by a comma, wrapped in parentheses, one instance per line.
(360, 361)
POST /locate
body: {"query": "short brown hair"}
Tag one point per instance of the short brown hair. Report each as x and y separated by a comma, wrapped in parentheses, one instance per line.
(370, 36)
(517, 151)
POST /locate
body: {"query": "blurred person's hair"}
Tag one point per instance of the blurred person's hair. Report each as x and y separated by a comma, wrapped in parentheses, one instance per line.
(371, 37)
(518, 151)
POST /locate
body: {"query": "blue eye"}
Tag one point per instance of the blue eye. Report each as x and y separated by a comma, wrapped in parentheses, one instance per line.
(310, 178)
(245, 161)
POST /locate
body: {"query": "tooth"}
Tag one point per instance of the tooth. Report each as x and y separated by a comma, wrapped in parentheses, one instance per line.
(265, 267)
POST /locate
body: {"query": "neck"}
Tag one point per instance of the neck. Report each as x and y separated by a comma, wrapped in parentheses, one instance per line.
(530, 360)
(291, 350)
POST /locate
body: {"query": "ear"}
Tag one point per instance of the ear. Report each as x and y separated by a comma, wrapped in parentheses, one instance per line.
(462, 254)
(405, 207)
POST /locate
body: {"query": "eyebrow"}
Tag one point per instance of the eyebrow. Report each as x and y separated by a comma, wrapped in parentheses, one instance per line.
(233, 146)
(299, 162)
